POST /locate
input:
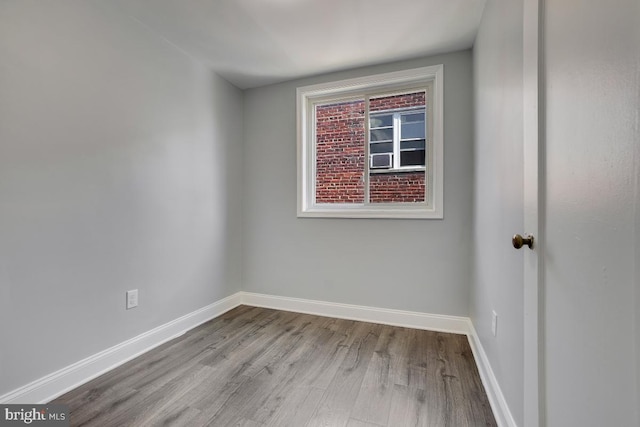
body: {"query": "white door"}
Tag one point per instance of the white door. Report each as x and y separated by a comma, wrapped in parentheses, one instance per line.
(533, 199)
(591, 211)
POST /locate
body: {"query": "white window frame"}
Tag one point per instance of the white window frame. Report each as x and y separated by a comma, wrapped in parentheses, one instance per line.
(308, 96)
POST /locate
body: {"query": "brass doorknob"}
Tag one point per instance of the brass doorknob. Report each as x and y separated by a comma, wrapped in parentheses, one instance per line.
(519, 241)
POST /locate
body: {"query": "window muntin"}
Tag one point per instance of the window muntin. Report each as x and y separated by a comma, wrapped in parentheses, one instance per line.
(405, 139)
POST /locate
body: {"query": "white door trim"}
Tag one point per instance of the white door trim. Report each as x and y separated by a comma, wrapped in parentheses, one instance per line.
(534, 187)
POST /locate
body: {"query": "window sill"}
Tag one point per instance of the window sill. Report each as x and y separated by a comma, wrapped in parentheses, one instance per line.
(376, 210)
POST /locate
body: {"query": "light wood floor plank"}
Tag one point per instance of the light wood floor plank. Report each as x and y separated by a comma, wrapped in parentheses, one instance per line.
(374, 398)
(358, 423)
(297, 408)
(339, 398)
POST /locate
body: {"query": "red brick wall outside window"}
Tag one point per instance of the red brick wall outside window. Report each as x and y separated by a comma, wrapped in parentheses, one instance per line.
(340, 155)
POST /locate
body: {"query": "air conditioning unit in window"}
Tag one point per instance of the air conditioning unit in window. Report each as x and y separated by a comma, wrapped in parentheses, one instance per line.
(381, 161)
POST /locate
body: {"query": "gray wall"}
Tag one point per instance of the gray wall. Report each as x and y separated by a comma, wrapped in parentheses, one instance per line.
(498, 195)
(593, 161)
(420, 265)
(120, 168)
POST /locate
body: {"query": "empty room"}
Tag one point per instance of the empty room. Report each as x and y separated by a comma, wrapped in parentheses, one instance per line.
(320, 213)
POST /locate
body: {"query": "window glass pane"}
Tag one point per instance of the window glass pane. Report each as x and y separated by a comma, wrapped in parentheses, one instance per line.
(413, 117)
(397, 187)
(381, 147)
(397, 101)
(412, 158)
(382, 135)
(381, 120)
(412, 130)
(340, 152)
(416, 143)
(390, 185)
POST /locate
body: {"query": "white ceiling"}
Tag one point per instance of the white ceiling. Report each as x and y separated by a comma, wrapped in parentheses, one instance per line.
(257, 42)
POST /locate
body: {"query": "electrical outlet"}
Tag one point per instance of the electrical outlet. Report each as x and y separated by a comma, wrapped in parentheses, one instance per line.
(132, 299)
(494, 323)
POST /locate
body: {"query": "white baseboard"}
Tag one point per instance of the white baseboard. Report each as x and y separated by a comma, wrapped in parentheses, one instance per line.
(407, 319)
(57, 383)
(492, 388)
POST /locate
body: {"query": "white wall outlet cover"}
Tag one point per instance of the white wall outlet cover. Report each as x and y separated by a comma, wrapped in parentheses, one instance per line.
(132, 299)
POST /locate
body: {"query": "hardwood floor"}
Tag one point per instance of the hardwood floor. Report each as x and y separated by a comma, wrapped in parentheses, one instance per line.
(260, 367)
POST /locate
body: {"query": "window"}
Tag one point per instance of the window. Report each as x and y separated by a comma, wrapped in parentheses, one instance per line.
(372, 147)
(397, 139)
